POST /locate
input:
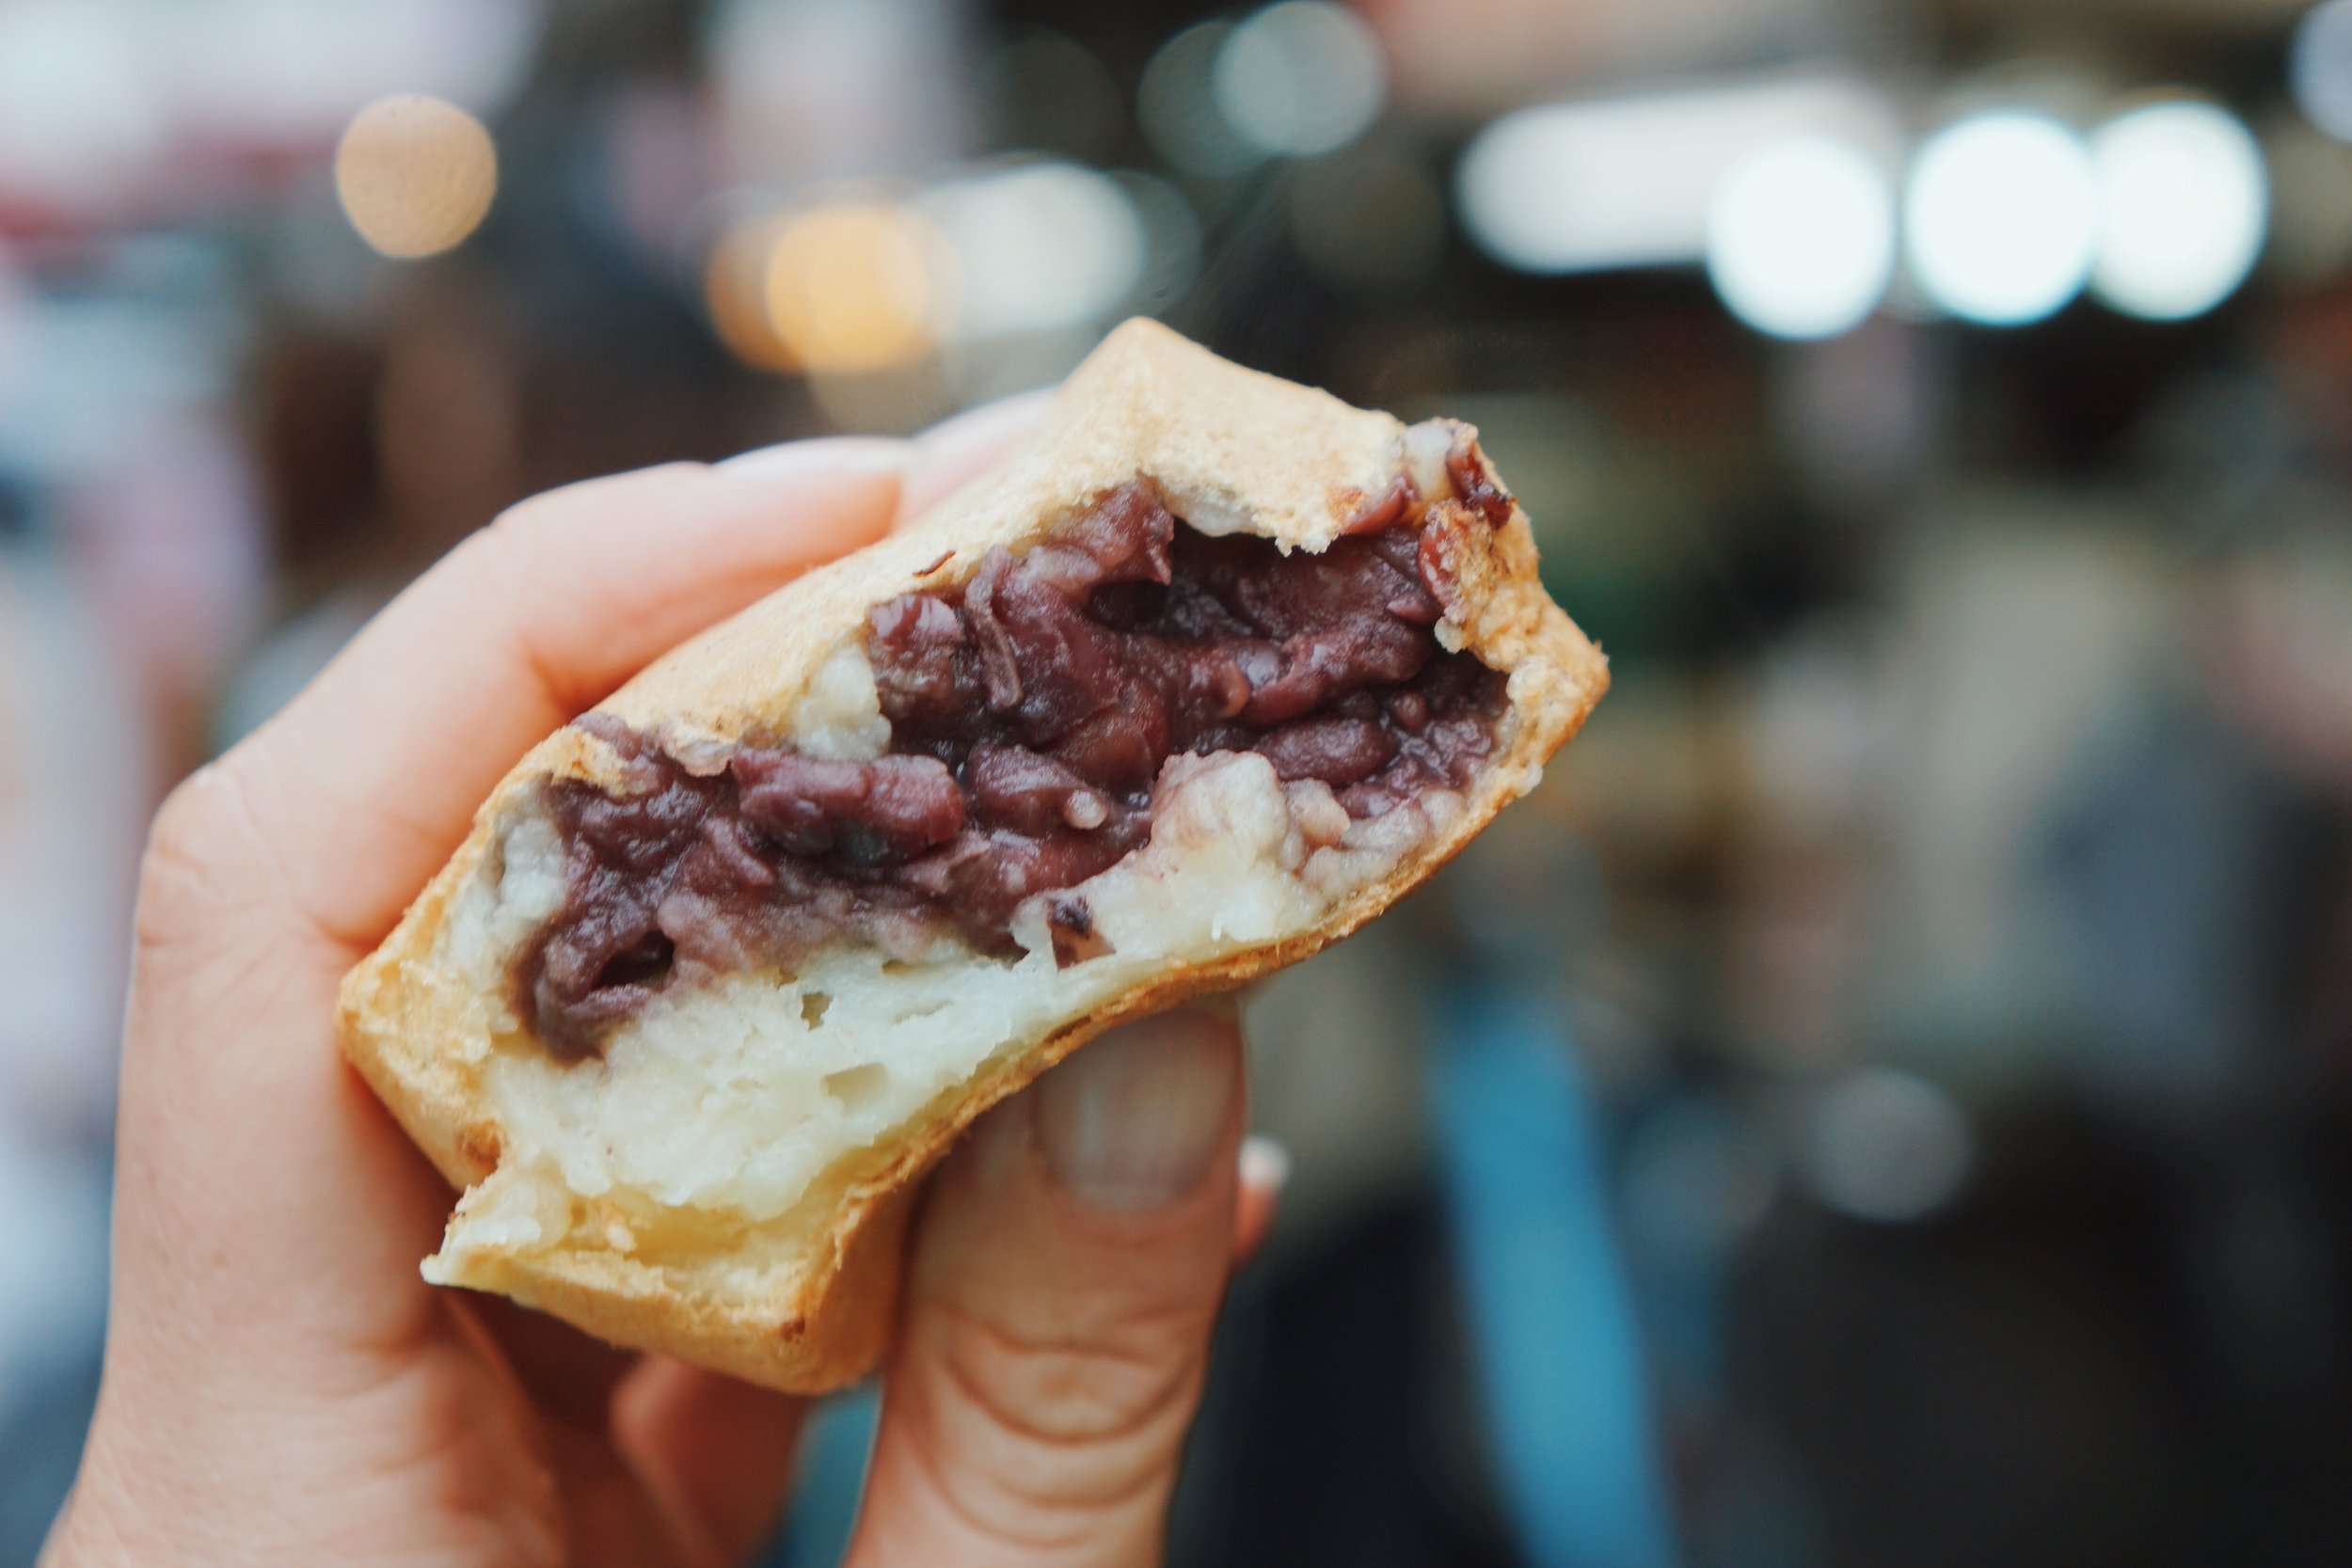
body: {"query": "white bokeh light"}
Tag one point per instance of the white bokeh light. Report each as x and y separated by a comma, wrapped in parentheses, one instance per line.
(1800, 238)
(2183, 206)
(1301, 78)
(1176, 105)
(1634, 182)
(79, 115)
(1888, 1147)
(2002, 217)
(2319, 67)
(1037, 247)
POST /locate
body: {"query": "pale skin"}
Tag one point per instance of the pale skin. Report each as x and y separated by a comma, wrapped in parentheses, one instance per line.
(281, 1387)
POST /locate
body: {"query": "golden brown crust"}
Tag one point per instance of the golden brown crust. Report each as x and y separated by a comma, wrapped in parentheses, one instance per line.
(1228, 447)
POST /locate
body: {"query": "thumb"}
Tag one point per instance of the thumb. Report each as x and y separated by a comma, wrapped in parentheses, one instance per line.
(1059, 1303)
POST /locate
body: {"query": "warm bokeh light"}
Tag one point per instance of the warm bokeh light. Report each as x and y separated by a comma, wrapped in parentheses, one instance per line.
(2183, 206)
(735, 291)
(415, 175)
(1300, 78)
(856, 287)
(2002, 217)
(1801, 240)
(1026, 249)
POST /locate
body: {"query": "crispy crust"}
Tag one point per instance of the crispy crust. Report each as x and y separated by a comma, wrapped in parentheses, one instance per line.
(1229, 447)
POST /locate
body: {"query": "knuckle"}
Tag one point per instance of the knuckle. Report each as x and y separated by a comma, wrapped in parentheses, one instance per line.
(1094, 1392)
(191, 871)
(481, 551)
(1053, 1435)
(522, 518)
(183, 840)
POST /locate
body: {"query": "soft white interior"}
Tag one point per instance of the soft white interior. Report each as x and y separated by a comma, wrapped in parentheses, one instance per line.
(725, 1103)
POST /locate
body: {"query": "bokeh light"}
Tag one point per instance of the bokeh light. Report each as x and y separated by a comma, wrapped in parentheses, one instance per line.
(2319, 67)
(1504, 184)
(77, 115)
(247, 69)
(735, 291)
(1037, 247)
(1887, 1146)
(817, 90)
(1634, 182)
(872, 283)
(2002, 217)
(415, 175)
(1176, 105)
(1300, 78)
(1698, 1181)
(2183, 206)
(856, 287)
(1801, 240)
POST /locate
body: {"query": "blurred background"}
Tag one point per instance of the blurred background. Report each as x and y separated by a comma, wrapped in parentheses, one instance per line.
(1884, 1102)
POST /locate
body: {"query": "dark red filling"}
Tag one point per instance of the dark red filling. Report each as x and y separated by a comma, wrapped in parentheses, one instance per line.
(1032, 711)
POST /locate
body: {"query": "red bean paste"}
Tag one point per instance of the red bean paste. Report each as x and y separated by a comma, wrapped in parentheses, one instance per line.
(1030, 711)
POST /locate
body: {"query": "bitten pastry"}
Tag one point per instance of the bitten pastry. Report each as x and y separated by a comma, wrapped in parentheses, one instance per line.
(1208, 676)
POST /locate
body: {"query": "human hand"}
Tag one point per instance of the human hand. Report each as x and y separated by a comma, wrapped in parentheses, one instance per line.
(281, 1387)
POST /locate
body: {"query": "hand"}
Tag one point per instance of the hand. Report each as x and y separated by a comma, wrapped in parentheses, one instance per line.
(281, 1387)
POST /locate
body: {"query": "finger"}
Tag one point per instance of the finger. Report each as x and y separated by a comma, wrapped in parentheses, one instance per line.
(268, 1215)
(1064, 1283)
(610, 1519)
(339, 810)
(1265, 1169)
(716, 1454)
(955, 451)
(571, 1376)
(527, 624)
(603, 1514)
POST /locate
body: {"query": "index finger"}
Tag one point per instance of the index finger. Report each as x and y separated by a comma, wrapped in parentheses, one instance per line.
(528, 622)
